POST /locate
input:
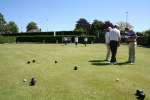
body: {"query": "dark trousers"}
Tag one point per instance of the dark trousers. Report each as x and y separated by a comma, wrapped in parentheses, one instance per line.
(65, 42)
(76, 43)
(113, 48)
(85, 43)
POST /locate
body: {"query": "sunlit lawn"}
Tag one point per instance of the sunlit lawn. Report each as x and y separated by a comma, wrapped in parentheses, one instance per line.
(94, 79)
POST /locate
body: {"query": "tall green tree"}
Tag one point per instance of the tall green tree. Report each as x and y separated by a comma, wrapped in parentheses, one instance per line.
(2, 23)
(97, 27)
(31, 25)
(11, 27)
(82, 25)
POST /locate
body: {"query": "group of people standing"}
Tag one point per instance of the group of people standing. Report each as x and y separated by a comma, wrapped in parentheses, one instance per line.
(76, 40)
(113, 38)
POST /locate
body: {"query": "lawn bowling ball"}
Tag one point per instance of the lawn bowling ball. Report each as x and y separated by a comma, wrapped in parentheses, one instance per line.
(75, 68)
(33, 81)
(33, 60)
(140, 94)
(28, 62)
(24, 80)
(56, 61)
(137, 92)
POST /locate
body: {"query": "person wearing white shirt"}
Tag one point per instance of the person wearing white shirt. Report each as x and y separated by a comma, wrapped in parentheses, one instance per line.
(85, 41)
(65, 40)
(114, 38)
(76, 40)
(109, 29)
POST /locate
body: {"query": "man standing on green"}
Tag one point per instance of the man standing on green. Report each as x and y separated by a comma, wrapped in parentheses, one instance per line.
(114, 38)
(76, 40)
(131, 38)
(108, 30)
(85, 41)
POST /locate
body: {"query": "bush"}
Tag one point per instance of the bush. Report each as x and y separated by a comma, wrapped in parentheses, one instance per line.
(147, 37)
(100, 38)
(30, 34)
(39, 39)
(43, 37)
(50, 39)
(7, 39)
(68, 33)
(140, 40)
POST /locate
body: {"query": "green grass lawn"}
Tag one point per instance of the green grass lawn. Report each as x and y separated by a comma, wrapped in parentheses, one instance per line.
(94, 79)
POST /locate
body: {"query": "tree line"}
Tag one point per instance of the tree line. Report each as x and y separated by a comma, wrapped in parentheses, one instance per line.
(96, 28)
(82, 25)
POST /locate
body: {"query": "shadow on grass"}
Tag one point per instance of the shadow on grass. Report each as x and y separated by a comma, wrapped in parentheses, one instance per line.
(98, 62)
(103, 62)
(123, 63)
(92, 61)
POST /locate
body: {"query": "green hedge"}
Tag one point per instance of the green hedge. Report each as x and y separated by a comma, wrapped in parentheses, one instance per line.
(29, 34)
(38, 39)
(141, 40)
(147, 37)
(147, 40)
(44, 33)
(68, 33)
(59, 39)
(51, 39)
(7, 39)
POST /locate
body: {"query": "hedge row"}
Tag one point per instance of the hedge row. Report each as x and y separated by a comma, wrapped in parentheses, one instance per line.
(50, 39)
(29, 34)
(44, 33)
(147, 40)
(68, 33)
(7, 39)
(59, 39)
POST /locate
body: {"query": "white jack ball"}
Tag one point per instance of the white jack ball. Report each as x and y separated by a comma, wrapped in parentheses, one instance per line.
(117, 79)
(24, 80)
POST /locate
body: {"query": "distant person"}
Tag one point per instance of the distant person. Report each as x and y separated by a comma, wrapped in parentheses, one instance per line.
(131, 38)
(114, 38)
(65, 40)
(76, 40)
(108, 30)
(85, 41)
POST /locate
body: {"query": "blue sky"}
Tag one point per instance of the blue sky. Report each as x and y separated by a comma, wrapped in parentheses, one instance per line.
(61, 15)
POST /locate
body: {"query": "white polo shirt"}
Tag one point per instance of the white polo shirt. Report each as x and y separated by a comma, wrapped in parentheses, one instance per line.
(76, 39)
(85, 39)
(114, 35)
